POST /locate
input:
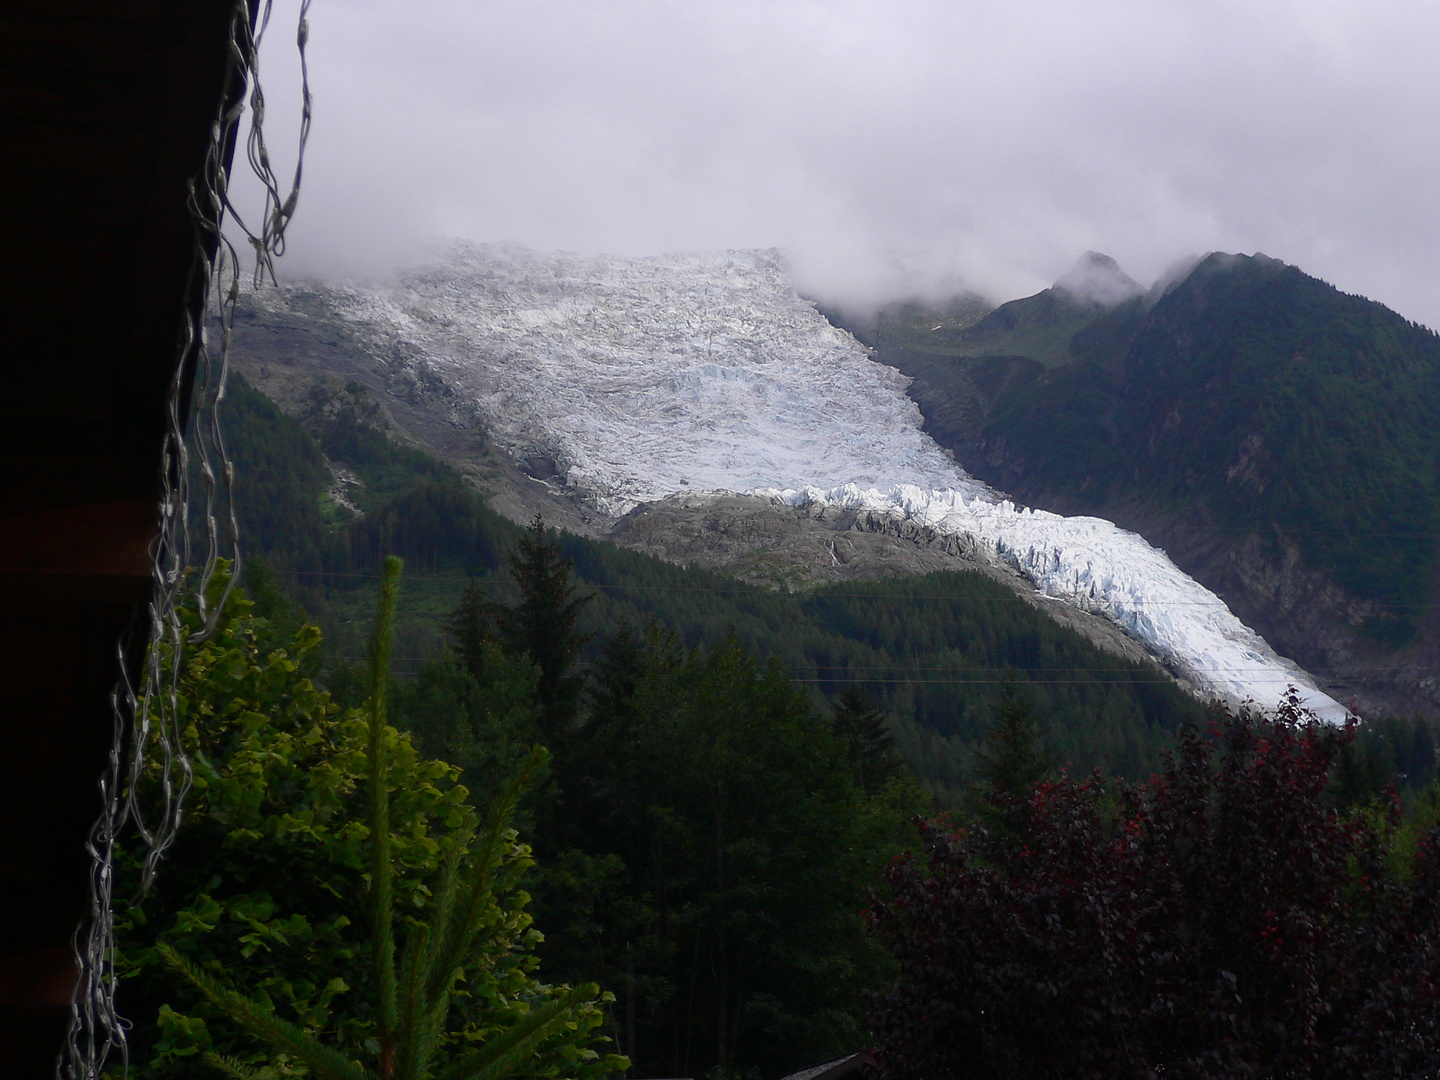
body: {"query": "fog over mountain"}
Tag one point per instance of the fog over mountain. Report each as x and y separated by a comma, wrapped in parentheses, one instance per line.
(1097, 279)
(893, 147)
(892, 150)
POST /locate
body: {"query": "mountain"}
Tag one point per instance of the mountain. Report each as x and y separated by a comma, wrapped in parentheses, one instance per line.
(1280, 439)
(1042, 327)
(611, 390)
(934, 641)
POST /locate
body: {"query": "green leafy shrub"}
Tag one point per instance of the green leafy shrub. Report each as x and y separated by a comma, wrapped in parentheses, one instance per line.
(267, 891)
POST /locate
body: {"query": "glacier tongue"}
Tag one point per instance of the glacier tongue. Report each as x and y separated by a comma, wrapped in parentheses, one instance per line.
(1095, 565)
(643, 377)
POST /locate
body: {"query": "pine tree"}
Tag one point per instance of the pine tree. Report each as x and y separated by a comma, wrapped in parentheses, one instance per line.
(1012, 758)
(545, 625)
(867, 738)
(469, 629)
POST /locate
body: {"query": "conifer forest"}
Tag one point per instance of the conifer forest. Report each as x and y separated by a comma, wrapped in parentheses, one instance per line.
(551, 808)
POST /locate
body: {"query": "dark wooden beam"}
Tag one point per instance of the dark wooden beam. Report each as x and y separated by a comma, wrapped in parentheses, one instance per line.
(105, 113)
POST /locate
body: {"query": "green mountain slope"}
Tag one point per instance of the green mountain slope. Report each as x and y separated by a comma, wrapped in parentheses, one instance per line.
(1249, 406)
(1273, 398)
(936, 652)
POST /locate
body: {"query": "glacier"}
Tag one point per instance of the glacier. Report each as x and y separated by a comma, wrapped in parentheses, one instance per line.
(644, 377)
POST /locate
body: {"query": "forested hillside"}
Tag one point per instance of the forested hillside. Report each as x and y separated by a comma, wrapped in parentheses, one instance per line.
(1297, 405)
(728, 765)
(1281, 439)
(727, 771)
(934, 652)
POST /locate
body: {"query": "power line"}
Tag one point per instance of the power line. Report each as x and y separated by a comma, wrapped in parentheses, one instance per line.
(761, 591)
(839, 672)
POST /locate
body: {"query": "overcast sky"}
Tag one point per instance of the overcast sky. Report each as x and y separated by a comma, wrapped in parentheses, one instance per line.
(890, 146)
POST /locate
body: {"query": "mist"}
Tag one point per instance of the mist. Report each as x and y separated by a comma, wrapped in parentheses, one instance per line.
(892, 148)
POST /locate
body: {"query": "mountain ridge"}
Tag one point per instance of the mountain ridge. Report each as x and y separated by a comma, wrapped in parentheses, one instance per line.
(1276, 436)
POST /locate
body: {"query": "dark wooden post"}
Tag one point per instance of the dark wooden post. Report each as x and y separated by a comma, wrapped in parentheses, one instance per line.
(105, 114)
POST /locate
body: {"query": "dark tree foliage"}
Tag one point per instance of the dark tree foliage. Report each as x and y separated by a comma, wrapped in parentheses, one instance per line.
(385, 468)
(469, 631)
(436, 527)
(281, 475)
(594, 765)
(866, 736)
(1389, 755)
(1228, 924)
(544, 625)
(1012, 763)
(482, 718)
(1012, 758)
(710, 857)
(476, 704)
(615, 676)
(1361, 775)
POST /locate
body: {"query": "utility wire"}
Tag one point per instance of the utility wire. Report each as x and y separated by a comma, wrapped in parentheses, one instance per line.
(757, 590)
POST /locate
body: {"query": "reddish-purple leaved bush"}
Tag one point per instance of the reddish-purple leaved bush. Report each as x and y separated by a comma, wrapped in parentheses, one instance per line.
(1229, 924)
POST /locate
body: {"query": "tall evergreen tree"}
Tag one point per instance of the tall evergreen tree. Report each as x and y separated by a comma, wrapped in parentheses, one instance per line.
(469, 629)
(545, 625)
(867, 738)
(482, 721)
(1012, 758)
(617, 674)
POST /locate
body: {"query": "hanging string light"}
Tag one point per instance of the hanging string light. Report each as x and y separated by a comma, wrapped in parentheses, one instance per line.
(195, 533)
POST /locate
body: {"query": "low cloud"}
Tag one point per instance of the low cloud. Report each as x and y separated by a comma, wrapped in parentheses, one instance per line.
(892, 147)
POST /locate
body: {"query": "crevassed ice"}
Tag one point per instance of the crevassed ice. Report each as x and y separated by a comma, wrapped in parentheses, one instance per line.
(1095, 565)
(644, 377)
